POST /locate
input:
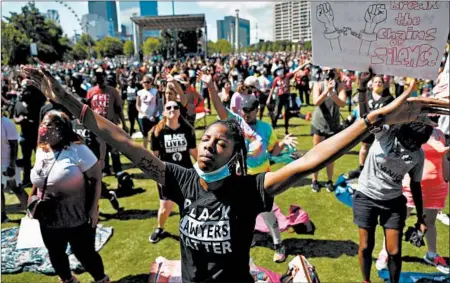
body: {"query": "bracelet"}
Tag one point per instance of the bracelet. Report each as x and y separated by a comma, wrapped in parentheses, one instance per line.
(82, 113)
(372, 128)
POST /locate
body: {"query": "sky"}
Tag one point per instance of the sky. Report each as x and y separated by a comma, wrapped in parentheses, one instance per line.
(258, 13)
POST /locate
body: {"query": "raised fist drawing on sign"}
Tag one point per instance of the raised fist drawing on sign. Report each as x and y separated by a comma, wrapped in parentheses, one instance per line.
(375, 14)
(325, 15)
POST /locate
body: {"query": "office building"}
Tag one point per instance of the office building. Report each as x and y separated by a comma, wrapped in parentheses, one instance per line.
(140, 8)
(53, 15)
(226, 30)
(292, 21)
(97, 27)
(106, 10)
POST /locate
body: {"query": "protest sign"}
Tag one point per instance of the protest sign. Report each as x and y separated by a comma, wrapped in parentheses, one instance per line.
(33, 49)
(402, 38)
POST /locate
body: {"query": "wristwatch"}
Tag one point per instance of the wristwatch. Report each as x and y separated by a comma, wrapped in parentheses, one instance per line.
(372, 127)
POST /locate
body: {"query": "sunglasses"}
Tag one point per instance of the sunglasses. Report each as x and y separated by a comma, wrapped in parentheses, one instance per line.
(175, 107)
(147, 82)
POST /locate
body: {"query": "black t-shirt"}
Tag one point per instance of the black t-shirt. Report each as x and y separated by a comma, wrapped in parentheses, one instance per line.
(377, 104)
(88, 137)
(174, 145)
(216, 227)
(29, 126)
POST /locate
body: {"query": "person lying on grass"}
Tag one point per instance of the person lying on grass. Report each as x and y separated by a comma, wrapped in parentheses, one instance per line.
(217, 215)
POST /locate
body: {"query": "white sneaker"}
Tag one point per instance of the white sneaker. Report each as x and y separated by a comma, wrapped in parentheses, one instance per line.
(382, 261)
(443, 218)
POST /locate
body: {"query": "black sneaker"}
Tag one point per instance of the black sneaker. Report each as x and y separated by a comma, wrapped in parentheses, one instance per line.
(156, 235)
(330, 186)
(315, 186)
(354, 174)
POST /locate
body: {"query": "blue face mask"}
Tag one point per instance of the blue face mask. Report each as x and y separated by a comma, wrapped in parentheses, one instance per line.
(217, 175)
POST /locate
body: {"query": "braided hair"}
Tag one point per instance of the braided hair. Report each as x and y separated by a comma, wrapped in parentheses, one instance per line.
(236, 133)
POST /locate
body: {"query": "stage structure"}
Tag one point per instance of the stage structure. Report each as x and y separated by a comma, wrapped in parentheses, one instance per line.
(176, 22)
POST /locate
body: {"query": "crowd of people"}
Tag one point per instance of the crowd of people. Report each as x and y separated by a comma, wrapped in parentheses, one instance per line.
(76, 116)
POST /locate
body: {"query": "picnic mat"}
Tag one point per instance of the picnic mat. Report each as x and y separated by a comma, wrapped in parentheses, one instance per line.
(36, 259)
(163, 270)
(413, 277)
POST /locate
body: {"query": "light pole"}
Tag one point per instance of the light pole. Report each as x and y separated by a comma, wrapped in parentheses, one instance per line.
(236, 36)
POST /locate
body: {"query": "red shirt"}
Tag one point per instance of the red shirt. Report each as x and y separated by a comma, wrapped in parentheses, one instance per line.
(105, 101)
(283, 84)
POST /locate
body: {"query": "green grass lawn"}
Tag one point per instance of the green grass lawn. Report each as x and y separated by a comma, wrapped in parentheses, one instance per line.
(332, 249)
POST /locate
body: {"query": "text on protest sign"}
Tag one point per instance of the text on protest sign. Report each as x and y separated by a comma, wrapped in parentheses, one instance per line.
(402, 38)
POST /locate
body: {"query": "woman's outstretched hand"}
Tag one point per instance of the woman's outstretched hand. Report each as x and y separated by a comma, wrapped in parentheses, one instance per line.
(45, 82)
(406, 109)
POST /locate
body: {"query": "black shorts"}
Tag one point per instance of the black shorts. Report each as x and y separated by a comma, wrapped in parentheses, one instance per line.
(146, 125)
(370, 139)
(161, 192)
(366, 211)
(315, 131)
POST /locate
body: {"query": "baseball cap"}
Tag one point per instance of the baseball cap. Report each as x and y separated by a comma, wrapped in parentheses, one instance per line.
(249, 102)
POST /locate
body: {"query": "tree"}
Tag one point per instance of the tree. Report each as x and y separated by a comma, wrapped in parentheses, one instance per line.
(288, 47)
(263, 47)
(211, 47)
(128, 48)
(15, 45)
(223, 46)
(109, 47)
(83, 48)
(308, 45)
(151, 46)
(32, 27)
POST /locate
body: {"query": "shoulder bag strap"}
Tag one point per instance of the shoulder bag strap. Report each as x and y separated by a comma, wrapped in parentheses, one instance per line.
(44, 188)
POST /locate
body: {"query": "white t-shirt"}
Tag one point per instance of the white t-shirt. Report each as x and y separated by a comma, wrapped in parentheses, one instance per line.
(65, 184)
(148, 103)
(264, 83)
(9, 132)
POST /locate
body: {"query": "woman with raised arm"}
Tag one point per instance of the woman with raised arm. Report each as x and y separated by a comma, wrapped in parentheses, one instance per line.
(217, 216)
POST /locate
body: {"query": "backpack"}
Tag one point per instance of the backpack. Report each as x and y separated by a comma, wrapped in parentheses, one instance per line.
(300, 270)
(345, 189)
(124, 182)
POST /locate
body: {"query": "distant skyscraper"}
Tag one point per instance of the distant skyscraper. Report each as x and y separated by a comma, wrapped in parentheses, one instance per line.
(226, 30)
(292, 21)
(106, 10)
(142, 8)
(97, 27)
(148, 8)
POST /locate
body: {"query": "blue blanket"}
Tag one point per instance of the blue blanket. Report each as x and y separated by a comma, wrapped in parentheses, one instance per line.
(412, 277)
(36, 259)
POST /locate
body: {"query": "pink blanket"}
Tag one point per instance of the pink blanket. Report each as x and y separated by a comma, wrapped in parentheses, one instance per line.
(296, 216)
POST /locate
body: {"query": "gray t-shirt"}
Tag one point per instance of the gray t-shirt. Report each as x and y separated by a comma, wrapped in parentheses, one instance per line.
(386, 165)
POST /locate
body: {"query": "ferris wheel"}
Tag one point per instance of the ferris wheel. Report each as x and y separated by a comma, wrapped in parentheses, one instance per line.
(83, 26)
